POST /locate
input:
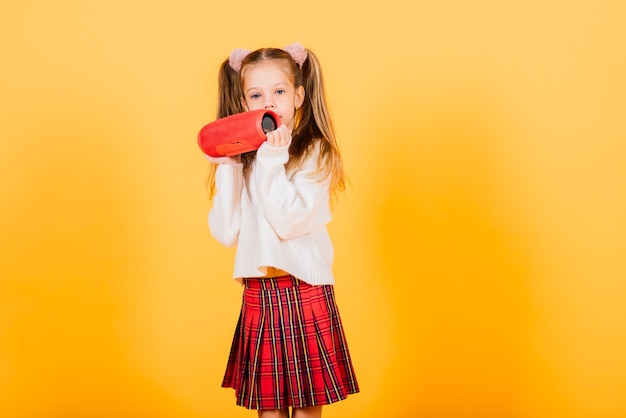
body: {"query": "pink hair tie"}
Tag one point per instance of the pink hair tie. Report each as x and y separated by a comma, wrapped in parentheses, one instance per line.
(297, 52)
(236, 58)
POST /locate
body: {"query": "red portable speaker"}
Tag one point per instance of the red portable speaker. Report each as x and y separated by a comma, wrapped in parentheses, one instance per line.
(238, 133)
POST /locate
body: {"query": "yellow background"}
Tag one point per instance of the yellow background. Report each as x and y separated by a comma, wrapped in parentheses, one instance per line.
(480, 249)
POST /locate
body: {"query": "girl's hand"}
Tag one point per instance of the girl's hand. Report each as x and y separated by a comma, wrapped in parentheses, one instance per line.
(235, 159)
(279, 137)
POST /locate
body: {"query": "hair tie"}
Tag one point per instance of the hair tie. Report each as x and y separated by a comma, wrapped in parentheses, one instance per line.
(297, 52)
(236, 58)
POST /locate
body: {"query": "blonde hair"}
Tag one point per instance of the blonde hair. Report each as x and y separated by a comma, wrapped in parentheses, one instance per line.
(313, 122)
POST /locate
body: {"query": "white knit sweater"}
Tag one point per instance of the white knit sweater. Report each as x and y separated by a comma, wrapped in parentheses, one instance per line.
(275, 218)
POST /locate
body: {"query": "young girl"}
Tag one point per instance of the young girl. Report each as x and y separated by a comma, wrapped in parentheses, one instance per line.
(289, 348)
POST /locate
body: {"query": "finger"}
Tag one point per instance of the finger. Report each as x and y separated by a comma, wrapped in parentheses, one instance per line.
(279, 137)
(284, 134)
(284, 128)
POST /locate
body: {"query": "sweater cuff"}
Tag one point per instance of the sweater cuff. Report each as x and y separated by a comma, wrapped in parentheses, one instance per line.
(269, 153)
(229, 172)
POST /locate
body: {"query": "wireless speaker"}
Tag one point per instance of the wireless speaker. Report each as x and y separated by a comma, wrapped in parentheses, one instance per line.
(236, 134)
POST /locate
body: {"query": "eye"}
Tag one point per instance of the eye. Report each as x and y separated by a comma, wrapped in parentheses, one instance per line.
(280, 91)
(255, 96)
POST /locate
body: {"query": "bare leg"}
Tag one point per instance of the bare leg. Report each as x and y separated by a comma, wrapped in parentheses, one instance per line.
(308, 412)
(274, 413)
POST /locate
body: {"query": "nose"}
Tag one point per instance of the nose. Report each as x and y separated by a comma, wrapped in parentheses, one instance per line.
(269, 104)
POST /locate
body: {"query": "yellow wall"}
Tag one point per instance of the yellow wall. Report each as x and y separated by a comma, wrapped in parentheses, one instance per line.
(480, 249)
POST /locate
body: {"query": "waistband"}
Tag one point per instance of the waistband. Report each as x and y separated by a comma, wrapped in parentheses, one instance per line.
(269, 283)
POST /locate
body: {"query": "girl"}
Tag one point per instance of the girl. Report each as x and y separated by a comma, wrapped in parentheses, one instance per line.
(289, 348)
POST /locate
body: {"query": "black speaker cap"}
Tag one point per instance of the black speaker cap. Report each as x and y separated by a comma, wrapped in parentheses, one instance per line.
(268, 123)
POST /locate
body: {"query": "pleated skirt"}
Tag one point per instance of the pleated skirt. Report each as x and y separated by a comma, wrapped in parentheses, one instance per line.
(289, 347)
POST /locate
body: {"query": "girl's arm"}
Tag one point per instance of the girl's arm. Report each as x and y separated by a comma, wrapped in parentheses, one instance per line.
(225, 215)
(293, 206)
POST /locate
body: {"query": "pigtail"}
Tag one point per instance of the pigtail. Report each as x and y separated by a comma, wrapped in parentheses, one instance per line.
(228, 92)
(314, 122)
(228, 103)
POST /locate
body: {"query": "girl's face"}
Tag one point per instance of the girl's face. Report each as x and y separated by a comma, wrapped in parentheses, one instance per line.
(267, 85)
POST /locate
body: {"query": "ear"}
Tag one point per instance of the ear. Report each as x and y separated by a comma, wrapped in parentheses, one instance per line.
(299, 97)
(244, 104)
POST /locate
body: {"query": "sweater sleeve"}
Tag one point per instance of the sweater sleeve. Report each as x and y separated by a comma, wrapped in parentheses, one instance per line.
(293, 205)
(225, 215)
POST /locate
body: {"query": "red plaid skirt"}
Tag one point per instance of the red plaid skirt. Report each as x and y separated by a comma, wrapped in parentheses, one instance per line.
(289, 348)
